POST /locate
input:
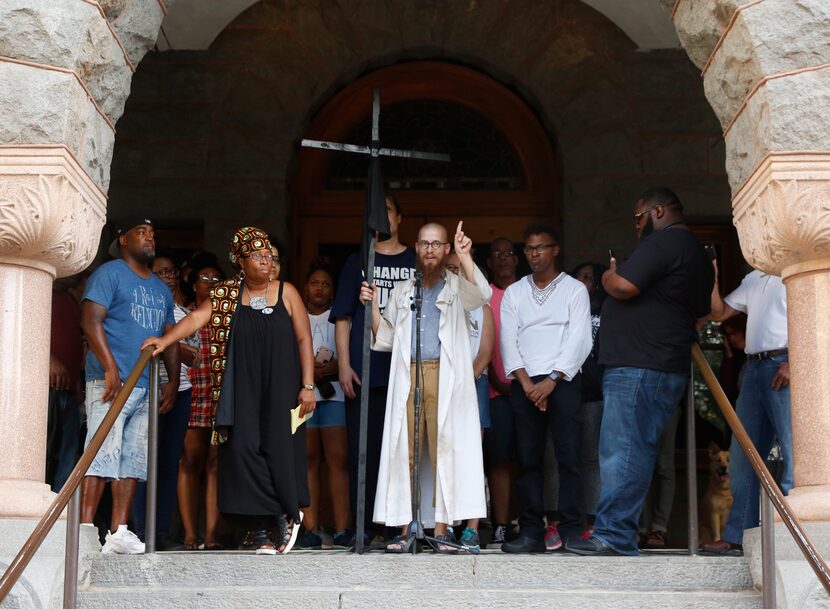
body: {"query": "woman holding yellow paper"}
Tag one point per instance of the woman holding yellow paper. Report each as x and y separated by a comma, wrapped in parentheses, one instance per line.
(262, 366)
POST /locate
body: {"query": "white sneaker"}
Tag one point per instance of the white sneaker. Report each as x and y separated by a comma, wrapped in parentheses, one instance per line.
(123, 541)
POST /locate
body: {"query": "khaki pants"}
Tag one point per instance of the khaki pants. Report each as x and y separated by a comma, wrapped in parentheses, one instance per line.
(429, 418)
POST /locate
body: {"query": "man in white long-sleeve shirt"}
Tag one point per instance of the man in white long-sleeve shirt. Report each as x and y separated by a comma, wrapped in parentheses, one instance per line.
(545, 338)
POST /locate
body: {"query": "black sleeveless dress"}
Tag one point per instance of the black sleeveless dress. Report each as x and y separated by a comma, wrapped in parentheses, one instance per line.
(262, 466)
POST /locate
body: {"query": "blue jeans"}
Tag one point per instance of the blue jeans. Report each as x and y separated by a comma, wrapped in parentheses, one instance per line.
(638, 405)
(765, 413)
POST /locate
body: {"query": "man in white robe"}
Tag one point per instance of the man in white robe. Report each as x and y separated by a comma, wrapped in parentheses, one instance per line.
(449, 415)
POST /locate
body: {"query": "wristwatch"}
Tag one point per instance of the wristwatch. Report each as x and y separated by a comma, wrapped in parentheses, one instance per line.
(309, 387)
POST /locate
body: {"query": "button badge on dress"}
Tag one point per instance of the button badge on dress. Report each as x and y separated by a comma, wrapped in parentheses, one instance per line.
(267, 311)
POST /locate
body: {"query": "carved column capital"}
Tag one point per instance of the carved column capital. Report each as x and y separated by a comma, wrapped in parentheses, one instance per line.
(51, 211)
(782, 212)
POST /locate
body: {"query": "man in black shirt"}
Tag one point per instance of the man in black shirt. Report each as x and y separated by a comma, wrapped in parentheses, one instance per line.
(648, 326)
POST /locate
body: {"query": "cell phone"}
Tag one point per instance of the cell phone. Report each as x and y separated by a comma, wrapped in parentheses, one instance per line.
(711, 251)
(611, 253)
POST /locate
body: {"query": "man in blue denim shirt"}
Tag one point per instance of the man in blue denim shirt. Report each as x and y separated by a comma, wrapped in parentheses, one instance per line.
(763, 402)
(655, 299)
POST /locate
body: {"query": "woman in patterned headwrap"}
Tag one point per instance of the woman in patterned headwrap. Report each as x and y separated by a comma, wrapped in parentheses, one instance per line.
(262, 366)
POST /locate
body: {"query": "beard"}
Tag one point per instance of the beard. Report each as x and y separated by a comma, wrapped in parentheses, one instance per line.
(432, 269)
(648, 228)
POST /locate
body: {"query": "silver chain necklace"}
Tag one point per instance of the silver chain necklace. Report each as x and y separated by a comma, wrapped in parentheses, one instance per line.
(258, 302)
(540, 295)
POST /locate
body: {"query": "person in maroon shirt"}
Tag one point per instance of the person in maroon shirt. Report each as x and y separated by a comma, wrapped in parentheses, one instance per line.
(63, 436)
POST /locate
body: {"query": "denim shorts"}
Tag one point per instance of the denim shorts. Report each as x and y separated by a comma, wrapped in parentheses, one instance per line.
(329, 413)
(124, 451)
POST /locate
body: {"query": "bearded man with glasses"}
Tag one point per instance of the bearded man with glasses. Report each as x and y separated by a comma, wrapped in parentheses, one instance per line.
(449, 418)
(545, 338)
(655, 298)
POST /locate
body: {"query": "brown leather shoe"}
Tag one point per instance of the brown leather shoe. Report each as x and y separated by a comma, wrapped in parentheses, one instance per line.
(721, 548)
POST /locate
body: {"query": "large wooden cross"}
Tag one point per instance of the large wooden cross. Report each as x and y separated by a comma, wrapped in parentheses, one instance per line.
(375, 151)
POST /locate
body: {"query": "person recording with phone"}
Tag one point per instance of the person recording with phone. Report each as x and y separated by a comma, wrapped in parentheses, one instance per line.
(449, 422)
(326, 429)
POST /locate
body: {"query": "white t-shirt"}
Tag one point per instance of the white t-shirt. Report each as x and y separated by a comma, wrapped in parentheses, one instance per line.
(322, 337)
(764, 300)
(179, 313)
(554, 335)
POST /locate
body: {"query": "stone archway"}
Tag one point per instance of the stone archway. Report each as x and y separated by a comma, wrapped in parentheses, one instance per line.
(67, 66)
(485, 211)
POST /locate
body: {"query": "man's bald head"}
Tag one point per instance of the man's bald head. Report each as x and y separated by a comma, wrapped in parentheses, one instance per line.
(432, 231)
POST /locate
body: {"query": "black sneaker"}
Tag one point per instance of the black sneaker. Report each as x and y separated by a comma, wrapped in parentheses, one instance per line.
(499, 537)
(590, 546)
(310, 540)
(342, 540)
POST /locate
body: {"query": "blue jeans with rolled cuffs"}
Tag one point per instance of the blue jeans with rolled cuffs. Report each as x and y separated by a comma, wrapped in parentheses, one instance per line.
(638, 405)
(765, 414)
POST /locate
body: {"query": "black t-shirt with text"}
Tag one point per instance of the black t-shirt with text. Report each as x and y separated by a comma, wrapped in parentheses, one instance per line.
(656, 328)
(389, 269)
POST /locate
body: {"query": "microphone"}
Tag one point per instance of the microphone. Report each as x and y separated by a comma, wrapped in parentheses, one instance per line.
(416, 301)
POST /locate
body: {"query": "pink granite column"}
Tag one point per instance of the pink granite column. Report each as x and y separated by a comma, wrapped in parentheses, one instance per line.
(808, 316)
(51, 214)
(25, 312)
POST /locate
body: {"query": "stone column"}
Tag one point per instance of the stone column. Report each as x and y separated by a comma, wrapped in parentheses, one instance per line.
(766, 72)
(51, 213)
(66, 68)
(783, 219)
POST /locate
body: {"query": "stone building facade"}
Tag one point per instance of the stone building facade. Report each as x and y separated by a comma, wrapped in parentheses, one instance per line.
(198, 139)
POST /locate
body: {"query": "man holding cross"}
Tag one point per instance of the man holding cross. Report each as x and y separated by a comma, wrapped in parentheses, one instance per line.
(449, 423)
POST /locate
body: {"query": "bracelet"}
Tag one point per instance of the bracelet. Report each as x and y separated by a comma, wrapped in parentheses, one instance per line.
(309, 387)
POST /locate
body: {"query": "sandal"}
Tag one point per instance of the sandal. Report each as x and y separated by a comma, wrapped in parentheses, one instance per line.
(213, 546)
(192, 546)
(400, 544)
(655, 540)
(440, 548)
(264, 545)
(289, 529)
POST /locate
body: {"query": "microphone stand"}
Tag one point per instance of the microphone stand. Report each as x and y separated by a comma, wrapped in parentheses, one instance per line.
(416, 527)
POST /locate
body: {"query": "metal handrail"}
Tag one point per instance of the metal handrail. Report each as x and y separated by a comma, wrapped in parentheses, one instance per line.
(71, 489)
(768, 485)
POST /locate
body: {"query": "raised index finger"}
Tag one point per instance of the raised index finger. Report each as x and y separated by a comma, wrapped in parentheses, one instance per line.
(459, 227)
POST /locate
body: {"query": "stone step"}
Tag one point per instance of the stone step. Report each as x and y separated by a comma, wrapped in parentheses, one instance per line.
(396, 598)
(490, 572)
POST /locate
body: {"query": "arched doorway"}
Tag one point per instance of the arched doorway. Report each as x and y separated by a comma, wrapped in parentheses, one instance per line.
(503, 174)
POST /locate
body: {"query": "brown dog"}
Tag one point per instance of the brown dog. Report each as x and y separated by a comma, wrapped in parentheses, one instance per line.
(717, 500)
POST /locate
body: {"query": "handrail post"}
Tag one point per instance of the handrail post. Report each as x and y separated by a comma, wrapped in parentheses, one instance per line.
(47, 521)
(70, 569)
(767, 552)
(152, 459)
(691, 464)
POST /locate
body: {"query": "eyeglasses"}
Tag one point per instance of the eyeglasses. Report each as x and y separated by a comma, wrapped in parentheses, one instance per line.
(257, 257)
(537, 249)
(497, 255)
(643, 213)
(164, 272)
(432, 245)
(210, 278)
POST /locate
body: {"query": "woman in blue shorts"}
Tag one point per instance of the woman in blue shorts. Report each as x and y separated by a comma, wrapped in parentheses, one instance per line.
(326, 429)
